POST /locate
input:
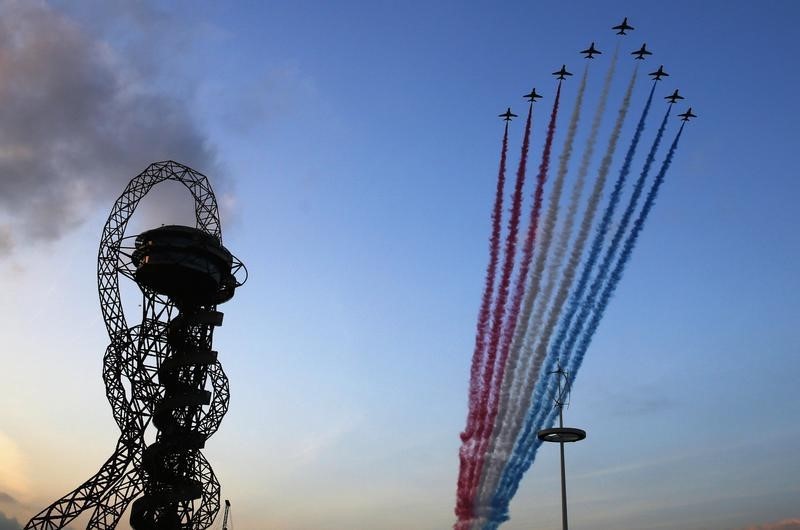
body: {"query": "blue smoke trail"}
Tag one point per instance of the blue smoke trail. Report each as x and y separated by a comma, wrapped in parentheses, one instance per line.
(594, 291)
(619, 268)
(534, 360)
(611, 285)
(588, 304)
(523, 456)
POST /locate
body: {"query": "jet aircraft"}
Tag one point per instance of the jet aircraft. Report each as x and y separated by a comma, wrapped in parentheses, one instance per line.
(561, 73)
(623, 27)
(674, 97)
(658, 74)
(686, 116)
(591, 51)
(507, 115)
(641, 52)
(533, 96)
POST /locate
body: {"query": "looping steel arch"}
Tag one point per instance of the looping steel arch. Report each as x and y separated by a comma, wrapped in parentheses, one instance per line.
(108, 260)
(148, 370)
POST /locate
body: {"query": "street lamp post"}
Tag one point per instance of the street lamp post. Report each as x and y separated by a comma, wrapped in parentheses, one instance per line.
(562, 435)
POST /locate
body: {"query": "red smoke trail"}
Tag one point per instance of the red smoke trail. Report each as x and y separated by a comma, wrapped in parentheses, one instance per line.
(510, 255)
(491, 272)
(493, 379)
(464, 501)
(522, 277)
(466, 450)
(499, 309)
(518, 345)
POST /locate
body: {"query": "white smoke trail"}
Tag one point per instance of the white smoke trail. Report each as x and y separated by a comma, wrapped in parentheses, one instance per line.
(557, 260)
(492, 469)
(569, 272)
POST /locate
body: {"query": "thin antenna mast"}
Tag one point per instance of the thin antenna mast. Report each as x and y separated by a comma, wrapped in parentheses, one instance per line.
(562, 435)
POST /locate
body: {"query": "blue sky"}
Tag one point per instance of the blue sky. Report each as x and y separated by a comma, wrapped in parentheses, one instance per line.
(355, 145)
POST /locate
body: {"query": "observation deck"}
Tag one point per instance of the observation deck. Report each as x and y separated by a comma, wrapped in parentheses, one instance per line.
(184, 263)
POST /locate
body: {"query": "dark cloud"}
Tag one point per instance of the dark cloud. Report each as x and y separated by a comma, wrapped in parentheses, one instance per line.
(6, 498)
(76, 122)
(6, 242)
(7, 523)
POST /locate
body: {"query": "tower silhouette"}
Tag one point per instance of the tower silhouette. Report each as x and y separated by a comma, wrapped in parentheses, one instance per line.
(156, 372)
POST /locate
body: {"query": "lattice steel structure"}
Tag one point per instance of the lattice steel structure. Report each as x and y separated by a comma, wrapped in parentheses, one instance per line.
(156, 372)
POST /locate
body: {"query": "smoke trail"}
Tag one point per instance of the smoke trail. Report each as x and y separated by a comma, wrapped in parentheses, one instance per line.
(512, 347)
(536, 413)
(555, 263)
(525, 260)
(622, 261)
(521, 400)
(589, 303)
(505, 280)
(510, 479)
(489, 369)
(483, 315)
(466, 473)
(597, 284)
(619, 268)
(569, 329)
(491, 272)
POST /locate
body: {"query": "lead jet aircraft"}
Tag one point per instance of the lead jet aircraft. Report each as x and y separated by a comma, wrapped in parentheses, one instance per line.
(507, 115)
(533, 96)
(561, 73)
(641, 52)
(623, 27)
(591, 51)
(686, 116)
(658, 74)
(674, 97)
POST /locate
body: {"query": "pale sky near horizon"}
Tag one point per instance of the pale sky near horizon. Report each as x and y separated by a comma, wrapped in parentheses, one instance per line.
(353, 146)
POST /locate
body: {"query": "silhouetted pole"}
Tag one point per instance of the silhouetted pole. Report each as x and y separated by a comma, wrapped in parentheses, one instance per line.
(227, 510)
(562, 435)
(564, 523)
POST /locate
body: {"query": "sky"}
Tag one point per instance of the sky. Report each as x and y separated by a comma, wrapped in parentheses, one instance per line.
(353, 147)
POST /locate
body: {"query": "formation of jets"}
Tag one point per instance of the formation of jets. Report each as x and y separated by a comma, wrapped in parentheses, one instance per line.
(658, 74)
(507, 115)
(623, 27)
(686, 116)
(532, 96)
(561, 73)
(641, 52)
(674, 97)
(589, 53)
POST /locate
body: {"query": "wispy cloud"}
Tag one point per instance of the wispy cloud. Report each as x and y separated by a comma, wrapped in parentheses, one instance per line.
(309, 448)
(785, 524)
(14, 482)
(638, 400)
(78, 121)
(5, 498)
